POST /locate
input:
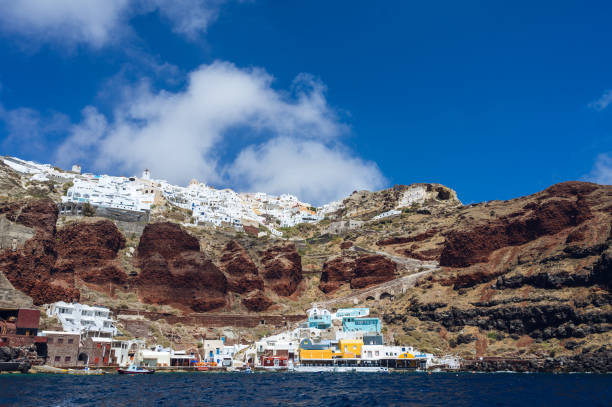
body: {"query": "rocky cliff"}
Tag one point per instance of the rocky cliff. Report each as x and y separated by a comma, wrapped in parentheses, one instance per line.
(174, 271)
(527, 277)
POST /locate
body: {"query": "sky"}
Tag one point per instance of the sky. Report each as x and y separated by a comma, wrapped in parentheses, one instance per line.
(315, 98)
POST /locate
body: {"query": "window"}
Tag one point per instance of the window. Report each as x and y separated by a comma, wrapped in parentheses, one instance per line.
(70, 340)
(57, 359)
(49, 340)
(60, 340)
(67, 359)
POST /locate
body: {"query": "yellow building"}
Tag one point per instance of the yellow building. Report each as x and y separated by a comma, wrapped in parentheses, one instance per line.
(306, 354)
(350, 348)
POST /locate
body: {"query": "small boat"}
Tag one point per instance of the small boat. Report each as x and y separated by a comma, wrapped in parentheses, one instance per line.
(248, 370)
(133, 369)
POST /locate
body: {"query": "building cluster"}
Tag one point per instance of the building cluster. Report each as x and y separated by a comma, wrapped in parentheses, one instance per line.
(347, 339)
(219, 207)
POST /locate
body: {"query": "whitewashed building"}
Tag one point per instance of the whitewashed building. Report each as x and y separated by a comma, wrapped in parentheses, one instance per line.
(83, 318)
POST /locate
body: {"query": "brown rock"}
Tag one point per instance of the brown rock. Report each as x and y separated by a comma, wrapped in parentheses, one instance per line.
(282, 268)
(175, 272)
(346, 245)
(31, 269)
(336, 272)
(372, 270)
(362, 272)
(241, 271)
(547, 217)
(90, 250)
(167, 239)
(257, 301)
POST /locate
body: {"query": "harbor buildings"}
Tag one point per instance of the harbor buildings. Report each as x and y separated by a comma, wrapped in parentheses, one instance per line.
(82, 318)
(63, 348)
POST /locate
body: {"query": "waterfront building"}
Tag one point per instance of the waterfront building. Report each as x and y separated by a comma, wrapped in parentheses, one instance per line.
(315, 354)
(124, 352)
(372, 340)
(155, 358)
(350, 348)
(63, 348)
(19, 327)
(361, 324)
(351, 312)
(83, 318)
(319, 318)
(212, 349)
(96, 351)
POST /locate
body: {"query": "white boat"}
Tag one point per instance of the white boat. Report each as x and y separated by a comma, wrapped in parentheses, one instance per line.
(340, 369)
(340, 366)
(133, 369)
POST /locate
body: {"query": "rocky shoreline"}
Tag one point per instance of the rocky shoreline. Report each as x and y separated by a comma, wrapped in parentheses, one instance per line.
(599, 361)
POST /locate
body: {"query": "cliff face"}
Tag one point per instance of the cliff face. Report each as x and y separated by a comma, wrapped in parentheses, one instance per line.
(175, 272)
(282, 268)
(361, 272)
(31, 269)
(523, 277)
(519, 274)
(90, 250)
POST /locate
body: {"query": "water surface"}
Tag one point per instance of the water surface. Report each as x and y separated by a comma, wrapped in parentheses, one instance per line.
(288, 389)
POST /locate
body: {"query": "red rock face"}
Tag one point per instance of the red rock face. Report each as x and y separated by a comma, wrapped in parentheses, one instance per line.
(90, 250)
(257, 301)
(167, 239)
(362, 272)
(175, 272)
(372, 270)
(335, 273)
(547, 217)
(31, 269)
(408, 239)
(241, 271)
(282, 268)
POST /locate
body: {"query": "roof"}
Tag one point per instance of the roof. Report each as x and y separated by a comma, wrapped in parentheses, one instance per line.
(28, 318)
(59, 333)
(100, 339)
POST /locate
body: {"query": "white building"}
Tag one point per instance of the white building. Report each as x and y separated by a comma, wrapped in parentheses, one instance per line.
(83, 318)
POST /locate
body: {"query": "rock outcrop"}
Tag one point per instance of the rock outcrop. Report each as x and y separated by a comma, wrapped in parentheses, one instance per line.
(257, 301)
(175, 272)
(282, 268)
(242, 273)
(362, 272)
(31, 269)
(90, 250)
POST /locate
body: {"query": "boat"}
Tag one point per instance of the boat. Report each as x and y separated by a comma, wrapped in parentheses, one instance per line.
(339, 366)
(133, 369)
(248, 370)
(341, 369)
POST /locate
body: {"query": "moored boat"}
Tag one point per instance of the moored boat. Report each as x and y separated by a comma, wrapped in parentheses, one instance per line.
(133, 369)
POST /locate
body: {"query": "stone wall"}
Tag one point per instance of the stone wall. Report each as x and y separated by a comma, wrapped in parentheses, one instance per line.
(76, 209)
(218, 320)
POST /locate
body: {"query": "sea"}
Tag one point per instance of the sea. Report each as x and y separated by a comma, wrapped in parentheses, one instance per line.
(308, 389)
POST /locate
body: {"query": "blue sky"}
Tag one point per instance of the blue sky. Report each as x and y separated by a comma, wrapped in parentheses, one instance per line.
(316, 98)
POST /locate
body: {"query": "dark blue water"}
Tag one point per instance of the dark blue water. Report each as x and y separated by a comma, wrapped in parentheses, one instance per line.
(286, 389)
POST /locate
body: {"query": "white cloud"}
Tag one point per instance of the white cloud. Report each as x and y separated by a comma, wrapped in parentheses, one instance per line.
(99, 22)
(602, 170)
(179, 135)
(307, 169)
(602, 102)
